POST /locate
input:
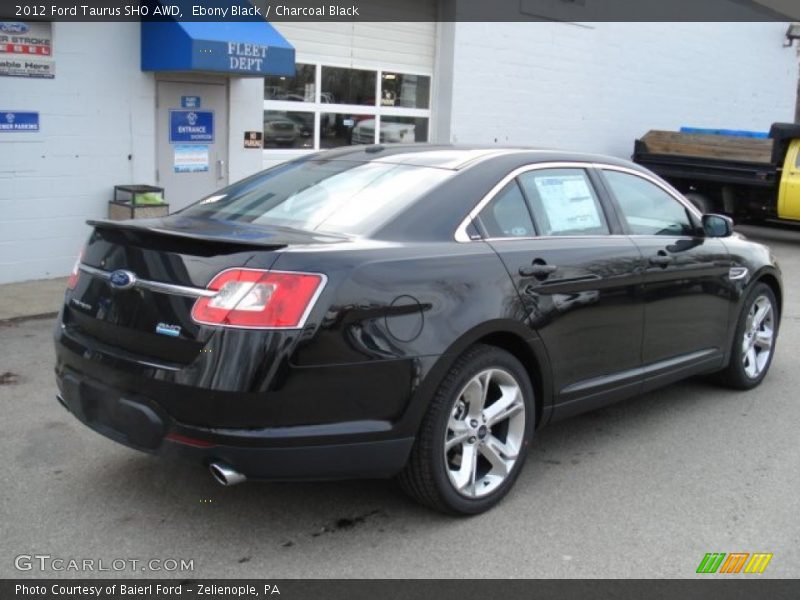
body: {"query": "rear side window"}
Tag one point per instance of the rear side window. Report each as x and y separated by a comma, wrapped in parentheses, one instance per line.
(564, 202)
(647, 209)
(507, 216)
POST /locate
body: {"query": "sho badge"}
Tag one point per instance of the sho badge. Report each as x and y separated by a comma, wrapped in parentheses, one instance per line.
(170, 330)
(81, 304)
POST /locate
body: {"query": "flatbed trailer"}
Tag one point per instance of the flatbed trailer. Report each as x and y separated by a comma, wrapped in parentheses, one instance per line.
(747, 177)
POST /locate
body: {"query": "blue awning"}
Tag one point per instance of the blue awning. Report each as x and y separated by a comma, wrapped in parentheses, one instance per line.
(239, 48)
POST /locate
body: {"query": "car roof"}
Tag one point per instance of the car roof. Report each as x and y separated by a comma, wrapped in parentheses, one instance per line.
(457, 157)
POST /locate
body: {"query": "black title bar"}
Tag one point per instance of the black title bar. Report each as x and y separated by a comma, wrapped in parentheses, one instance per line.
(401, 10)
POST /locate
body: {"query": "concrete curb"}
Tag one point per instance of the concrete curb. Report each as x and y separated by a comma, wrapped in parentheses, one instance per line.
(40, 317)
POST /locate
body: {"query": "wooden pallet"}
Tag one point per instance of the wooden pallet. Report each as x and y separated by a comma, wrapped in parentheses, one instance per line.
(720, 147)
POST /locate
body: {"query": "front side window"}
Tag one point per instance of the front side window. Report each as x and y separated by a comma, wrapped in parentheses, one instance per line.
(507, 216)
(327, 196)
(648, 209)
(564, 202)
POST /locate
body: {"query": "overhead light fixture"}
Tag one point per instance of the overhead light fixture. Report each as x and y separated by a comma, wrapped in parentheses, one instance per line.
(792, 34)
(389, 76)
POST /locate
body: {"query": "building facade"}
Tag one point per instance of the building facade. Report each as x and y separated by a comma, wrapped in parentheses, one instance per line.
(93, 114)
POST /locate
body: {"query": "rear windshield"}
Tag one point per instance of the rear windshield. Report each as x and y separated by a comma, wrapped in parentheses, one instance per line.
(326, 196)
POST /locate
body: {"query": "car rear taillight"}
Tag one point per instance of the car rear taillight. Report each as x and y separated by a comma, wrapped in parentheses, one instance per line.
(256, 299)
(76, 273)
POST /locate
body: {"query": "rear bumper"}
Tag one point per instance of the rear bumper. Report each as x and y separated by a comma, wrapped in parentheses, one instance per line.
(343, 451)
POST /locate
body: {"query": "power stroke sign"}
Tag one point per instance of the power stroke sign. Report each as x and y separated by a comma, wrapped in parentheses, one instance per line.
(191, 126)
(26, 49)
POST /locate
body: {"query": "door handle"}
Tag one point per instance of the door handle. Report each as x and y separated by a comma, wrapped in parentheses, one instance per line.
(220, 169)
(538, 270)
(662, 259)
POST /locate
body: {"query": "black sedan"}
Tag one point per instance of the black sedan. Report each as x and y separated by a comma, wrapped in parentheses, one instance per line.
(417, 311)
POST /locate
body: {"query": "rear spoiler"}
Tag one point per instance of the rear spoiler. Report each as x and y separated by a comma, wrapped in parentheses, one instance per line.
(177, 233)
(272, 237)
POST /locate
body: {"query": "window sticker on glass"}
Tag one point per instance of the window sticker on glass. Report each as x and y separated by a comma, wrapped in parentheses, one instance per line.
(568, 202)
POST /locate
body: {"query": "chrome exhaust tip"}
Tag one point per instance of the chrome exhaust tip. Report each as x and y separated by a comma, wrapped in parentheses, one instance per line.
(225, 475)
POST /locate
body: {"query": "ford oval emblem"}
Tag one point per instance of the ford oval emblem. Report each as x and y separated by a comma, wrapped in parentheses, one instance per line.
(13, 27)
(122, 280)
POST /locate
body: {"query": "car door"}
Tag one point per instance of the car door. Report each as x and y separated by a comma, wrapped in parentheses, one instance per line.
(577, 276)
(789, 191)
(686, 287)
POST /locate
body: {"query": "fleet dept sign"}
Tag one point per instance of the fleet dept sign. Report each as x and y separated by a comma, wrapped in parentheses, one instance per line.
(246, 57)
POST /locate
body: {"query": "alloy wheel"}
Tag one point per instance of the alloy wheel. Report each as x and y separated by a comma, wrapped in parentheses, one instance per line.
(759, 336)
(485, 432)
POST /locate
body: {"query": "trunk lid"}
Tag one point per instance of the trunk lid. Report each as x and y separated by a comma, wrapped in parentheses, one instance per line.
(152, 324)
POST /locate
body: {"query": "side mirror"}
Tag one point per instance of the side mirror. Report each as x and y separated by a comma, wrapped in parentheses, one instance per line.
(717, 226)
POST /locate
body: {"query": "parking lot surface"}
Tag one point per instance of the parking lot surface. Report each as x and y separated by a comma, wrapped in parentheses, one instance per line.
(643, 488)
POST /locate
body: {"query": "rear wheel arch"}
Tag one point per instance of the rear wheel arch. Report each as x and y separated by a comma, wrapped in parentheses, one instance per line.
(524, 353)
(511, 336)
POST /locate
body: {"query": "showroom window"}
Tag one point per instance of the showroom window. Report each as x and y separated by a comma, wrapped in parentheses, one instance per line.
(299, 88)
(288, 129)
(344, 106)
(409, 91)
(348, 86)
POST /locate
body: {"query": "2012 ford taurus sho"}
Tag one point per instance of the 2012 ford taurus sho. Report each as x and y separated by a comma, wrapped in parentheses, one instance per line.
(417, 311)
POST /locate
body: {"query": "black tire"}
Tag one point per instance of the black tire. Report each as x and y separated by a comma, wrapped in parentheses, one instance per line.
(735, 374)
(425, 477)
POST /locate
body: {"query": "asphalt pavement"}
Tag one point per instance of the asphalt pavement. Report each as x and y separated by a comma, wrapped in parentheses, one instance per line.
(644, 488)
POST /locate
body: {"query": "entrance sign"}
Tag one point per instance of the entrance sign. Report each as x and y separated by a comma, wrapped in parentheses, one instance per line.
(191, 126)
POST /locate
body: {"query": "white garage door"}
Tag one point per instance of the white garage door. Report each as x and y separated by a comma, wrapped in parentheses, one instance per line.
(399, 45)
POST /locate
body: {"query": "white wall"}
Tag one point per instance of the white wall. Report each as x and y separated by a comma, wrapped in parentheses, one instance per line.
(98, 111)
(97, 121)
(246, 113)
(599, 86)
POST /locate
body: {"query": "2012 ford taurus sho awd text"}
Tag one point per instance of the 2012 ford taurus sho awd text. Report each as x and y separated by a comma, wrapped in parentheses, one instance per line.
(414, 311)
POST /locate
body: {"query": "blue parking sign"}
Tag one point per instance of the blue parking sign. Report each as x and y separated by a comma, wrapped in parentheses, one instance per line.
(191, 126)
(15, 120)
